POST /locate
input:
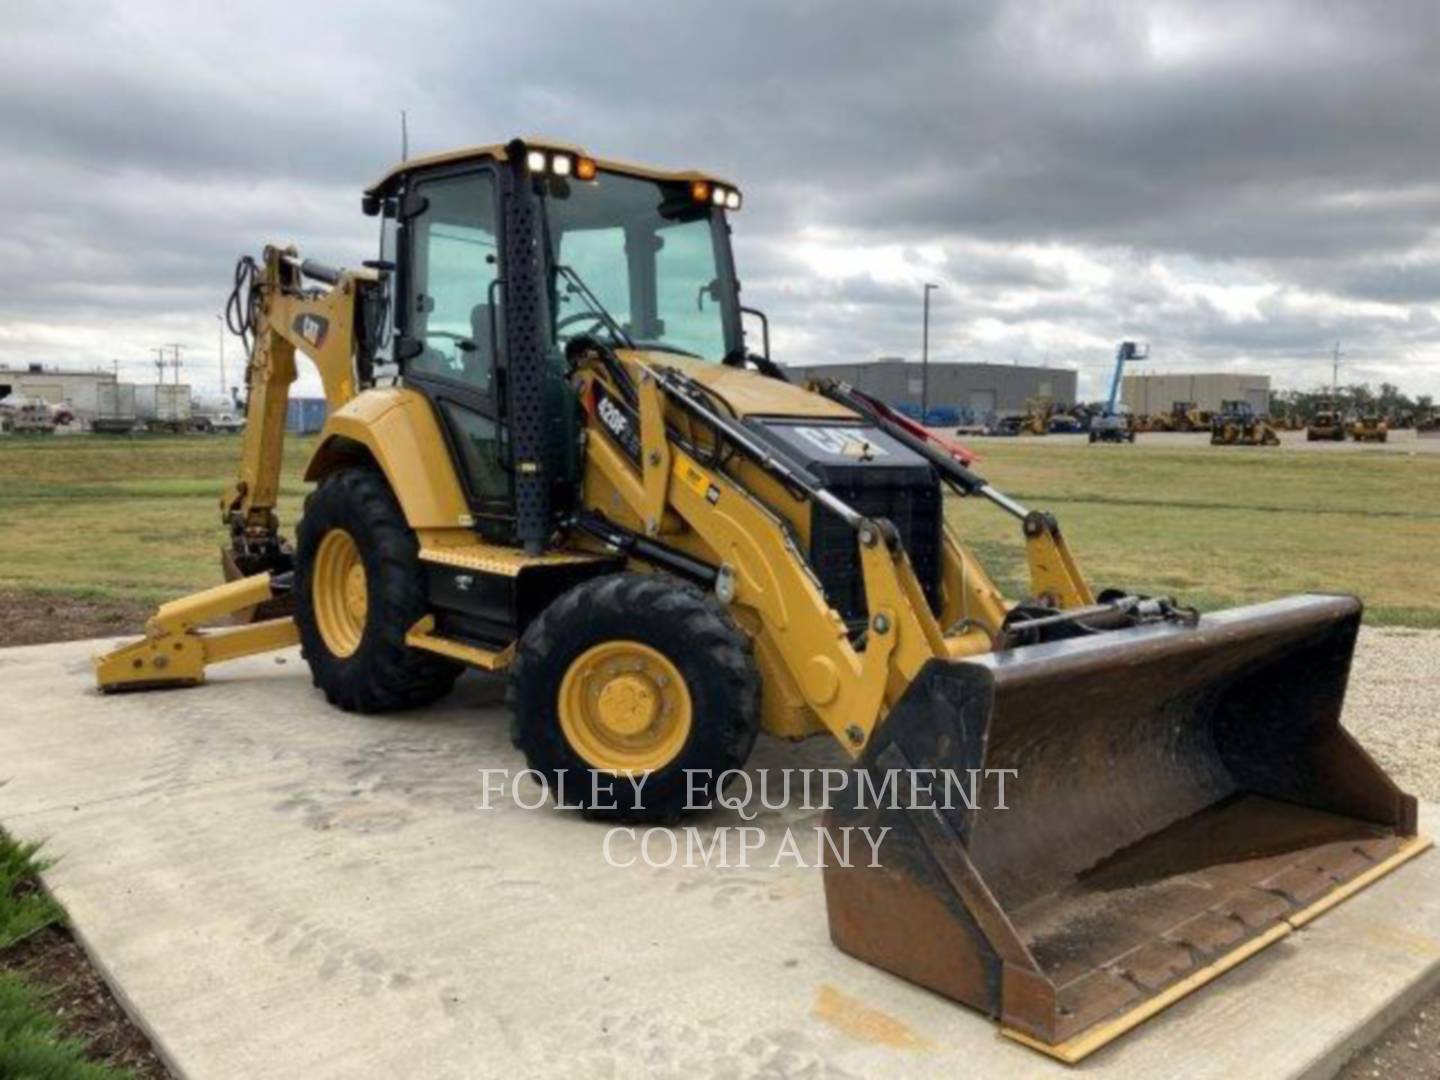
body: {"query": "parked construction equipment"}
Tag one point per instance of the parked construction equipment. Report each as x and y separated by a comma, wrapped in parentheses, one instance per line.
(1116, 423)
(1327, 424)
(1371, 427)
(1187, 416)
(1237, 424)
(1066, 422)
(574, 470)
(1038, 411)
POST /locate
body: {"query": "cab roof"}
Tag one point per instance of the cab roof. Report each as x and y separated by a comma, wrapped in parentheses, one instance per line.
(499, 152)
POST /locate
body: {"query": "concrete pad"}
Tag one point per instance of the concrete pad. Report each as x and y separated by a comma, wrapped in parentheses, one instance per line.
(279, 889)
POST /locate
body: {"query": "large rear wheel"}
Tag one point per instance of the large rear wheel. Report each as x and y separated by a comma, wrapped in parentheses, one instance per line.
(358, 588)
(634, 675)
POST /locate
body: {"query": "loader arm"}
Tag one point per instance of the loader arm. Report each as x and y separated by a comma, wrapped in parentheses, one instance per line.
(848, 684)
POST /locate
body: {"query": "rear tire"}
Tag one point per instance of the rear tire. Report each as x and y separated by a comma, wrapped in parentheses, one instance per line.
(634, 673)
(358, 588)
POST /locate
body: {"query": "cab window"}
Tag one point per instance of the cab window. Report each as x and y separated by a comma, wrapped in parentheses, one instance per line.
(454, 265)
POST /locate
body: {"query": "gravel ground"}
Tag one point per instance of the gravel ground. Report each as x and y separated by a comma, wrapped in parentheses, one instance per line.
(1393, 705)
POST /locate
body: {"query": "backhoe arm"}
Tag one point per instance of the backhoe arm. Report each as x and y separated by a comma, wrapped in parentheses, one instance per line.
(274, 309)
(276, 315)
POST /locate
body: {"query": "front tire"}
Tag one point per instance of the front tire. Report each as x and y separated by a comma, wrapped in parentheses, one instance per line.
(634, 674)
(358, 588)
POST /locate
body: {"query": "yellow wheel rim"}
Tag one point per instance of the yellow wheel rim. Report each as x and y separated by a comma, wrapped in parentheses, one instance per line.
(339, 594)
(624, 707)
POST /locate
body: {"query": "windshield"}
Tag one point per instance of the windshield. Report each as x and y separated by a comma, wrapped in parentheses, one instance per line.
(642, 258)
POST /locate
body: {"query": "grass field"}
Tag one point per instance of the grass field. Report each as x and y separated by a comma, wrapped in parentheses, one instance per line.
(1223, 526)
(139, 518)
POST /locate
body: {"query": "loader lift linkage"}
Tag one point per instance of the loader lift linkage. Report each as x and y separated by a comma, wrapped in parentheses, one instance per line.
(573, 471)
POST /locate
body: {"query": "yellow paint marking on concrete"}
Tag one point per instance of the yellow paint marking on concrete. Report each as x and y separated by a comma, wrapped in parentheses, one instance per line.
(854, 1018)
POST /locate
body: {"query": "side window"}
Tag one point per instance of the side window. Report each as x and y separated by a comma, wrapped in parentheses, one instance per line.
(686, 280)
(385, 340)
(598, 257)
(453, 267)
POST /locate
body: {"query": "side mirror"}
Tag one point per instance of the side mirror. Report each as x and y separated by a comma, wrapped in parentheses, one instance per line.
(764, 328)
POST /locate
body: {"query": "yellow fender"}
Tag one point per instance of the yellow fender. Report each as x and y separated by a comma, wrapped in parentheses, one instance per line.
(399, 431)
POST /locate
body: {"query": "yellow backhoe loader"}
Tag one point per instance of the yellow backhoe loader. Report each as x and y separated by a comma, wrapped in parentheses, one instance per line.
(1038, 411)
(1327, 424)
(1370, 427)
(1237, 424)
(549, 452)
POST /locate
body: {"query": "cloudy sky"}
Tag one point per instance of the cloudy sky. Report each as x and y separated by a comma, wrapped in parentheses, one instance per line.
(1239, 184)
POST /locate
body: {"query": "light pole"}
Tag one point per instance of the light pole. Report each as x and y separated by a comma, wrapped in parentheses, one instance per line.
(925, 358)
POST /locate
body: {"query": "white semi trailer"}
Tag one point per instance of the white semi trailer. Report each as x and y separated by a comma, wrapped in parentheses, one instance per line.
(164, 407)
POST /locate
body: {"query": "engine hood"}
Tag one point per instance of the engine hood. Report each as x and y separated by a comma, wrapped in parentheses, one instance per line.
(747, 392)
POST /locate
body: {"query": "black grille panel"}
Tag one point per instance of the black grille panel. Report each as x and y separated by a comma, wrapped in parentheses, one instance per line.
(914, 509)
(878, 476)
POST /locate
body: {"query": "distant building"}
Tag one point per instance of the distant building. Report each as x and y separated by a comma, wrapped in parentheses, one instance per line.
(53, 384)
(1149, 394)
(78, 388)
(974, 390)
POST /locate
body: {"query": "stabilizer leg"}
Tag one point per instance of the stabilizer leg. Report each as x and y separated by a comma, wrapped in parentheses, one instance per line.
(175, 652)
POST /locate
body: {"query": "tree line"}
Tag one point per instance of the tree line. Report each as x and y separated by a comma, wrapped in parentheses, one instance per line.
(1355, 399)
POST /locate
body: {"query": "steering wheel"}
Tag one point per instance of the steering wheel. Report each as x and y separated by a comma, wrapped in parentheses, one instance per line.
(594, 321)
(461, 339)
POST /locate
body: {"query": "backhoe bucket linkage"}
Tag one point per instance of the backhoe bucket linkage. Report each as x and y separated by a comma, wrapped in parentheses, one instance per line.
(1174, 799)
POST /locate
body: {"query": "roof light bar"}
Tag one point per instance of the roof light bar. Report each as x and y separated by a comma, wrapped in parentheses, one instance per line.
(715, 194)
(559, 163)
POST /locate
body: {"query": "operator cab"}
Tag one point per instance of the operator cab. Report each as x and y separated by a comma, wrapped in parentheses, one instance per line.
(504, 255)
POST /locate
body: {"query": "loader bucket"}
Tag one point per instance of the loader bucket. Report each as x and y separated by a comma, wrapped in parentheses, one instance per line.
(1182, 797)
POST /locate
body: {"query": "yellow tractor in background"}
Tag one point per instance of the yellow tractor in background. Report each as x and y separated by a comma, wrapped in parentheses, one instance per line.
(1237, 424)
(549, 452)
(1038, 411)
(1184, 416)
(1370, 427)
(1188, 416)
(1327, 424)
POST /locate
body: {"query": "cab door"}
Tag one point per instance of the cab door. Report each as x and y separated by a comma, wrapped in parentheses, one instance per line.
(449, 329)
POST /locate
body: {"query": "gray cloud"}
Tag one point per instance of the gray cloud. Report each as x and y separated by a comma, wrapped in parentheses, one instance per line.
(1236, 182)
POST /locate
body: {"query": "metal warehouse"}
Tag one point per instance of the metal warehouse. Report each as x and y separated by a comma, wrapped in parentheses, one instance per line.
(980, 390)
(79, 389)
(1159, 393)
